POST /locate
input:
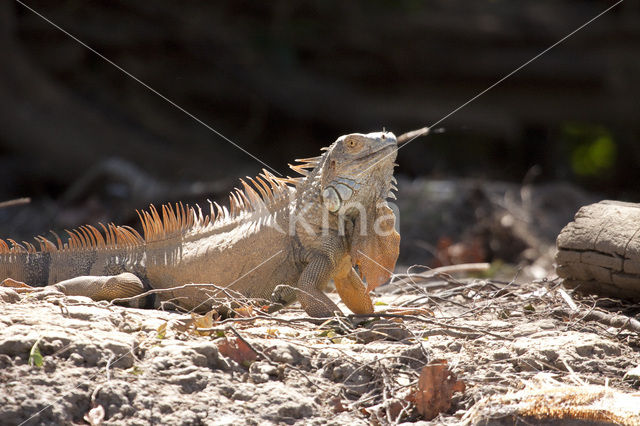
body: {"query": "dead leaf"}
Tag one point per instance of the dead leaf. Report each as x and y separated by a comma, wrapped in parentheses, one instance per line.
(435, 388)
(11, 283)
(95, 416)
(203, 322)
(337, 405)
(18, 286)
(237, 350)
(272, 333)
(245, 311)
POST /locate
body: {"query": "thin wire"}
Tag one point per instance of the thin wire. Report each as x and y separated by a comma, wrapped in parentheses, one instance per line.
(145, 85)
(526, 63)
(504, 78)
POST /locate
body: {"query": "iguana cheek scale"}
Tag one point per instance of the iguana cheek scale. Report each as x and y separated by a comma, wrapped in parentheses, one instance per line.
(280, 240)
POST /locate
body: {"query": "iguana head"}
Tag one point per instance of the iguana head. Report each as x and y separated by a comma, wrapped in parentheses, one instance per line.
(356, 180)
(349, 185)
(358, 170)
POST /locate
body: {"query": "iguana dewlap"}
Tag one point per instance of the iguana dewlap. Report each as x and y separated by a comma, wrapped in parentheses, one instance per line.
(280, 240)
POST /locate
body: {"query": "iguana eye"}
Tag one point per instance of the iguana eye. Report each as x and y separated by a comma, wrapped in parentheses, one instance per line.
(351, 142)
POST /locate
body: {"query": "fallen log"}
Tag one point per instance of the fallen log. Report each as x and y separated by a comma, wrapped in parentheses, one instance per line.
(599, 252)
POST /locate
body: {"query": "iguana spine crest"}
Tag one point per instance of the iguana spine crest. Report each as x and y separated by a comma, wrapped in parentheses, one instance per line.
(170, 221)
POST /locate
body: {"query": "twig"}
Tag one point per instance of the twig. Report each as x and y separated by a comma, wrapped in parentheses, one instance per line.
(405, 137)
(622, 322)
(572, 374)
(427, 320)
(450, 333)
(226, 291)
(565, 296)
(16, 202)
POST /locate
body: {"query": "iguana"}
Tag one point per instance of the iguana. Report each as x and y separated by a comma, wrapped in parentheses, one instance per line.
(280, 240)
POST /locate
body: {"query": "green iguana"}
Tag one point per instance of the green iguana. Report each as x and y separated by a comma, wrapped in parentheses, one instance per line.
(279, 240)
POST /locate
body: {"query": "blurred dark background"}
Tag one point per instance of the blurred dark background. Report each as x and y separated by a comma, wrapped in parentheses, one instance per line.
(284, 78)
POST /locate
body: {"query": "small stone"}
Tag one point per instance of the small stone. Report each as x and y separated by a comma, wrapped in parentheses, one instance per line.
(501, 354)
(76, 359)
(585, 349)
(5, 361)
(8, 295)
(295, 410)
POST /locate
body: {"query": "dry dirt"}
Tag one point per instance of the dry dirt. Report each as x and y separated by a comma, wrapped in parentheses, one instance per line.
(138, 367)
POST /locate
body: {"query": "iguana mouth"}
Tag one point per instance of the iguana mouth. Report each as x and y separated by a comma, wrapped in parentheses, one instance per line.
(390, 148)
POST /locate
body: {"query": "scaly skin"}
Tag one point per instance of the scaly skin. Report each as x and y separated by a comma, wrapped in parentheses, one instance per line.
(281, 243)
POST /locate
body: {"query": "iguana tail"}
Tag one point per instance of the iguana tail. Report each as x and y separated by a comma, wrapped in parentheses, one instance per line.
(54, 262)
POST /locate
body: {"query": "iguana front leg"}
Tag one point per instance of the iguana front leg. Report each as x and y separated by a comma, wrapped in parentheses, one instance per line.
(313, 279)
(351, 289)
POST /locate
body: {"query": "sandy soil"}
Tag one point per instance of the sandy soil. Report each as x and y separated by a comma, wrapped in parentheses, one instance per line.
(117, 365)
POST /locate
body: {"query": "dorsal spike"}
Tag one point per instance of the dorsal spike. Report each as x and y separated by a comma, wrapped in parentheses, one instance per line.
(255, 199)
(155, 226)
(212, 212)
(191, 218)
(73, 241)
(29, 247)
(125, 236)
(97, 235)
(309, 160)
(257, 183)
(157, 221)
(220, 210)
(247, 204)
(107, 236)
(112, 234)
(81, 240)
(16, 247)
(265, 186)
(91, 242)
(199, 215)
(183, 214)
(46, 246)
(135, 235)
(143, 223)
(299, 168)
(232, 203)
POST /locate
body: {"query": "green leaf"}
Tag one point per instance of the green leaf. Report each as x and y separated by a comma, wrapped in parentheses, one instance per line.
(35, 357)
(135, 370)
(504, 314)
(530, 308)
(379, 303)
(161, 331)
(593, 149)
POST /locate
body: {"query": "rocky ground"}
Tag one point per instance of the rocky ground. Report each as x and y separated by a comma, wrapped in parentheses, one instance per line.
(68, 360)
